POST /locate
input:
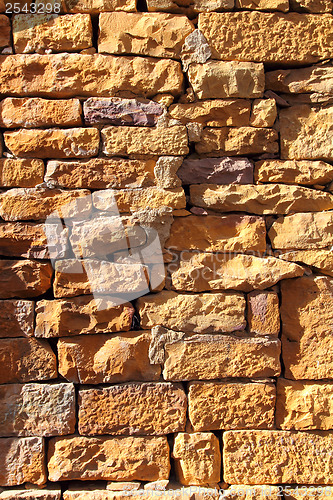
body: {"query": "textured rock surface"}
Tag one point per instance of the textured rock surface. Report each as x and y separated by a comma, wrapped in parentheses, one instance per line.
(224, 405)
(216, 113)
(19, 172)
(48, 493)
(319, 259)
(5, 31)
(216, 171)
(304, 172)
(302, 80)
(179, 7)
(16, 318)
(95, 6)
(280, 5)
(263, 313)
(133, 409)
(22, 461)
(24, 278)
(264, 113)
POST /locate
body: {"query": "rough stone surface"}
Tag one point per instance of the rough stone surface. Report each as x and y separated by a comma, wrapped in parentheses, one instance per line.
(225, 405)
(133, 409)
(195, 49)
(215, 113)
(280, 5)
(264, 113)
(22, 461)
(312, 6)
(19, 172)
(302, 80)
(304, 172)
(16, 318)
(49, 493)
(263, 313)
(5, 31)
(37, 409)
(319, 259)
(217, 171)
(254, 457)
(183, 7)
(130, 458)
(96, 6)
(24, 278)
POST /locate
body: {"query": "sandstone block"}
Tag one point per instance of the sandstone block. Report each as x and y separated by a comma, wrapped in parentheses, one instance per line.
(217, 113)
(263, 113)
(22, 461)
(5, 31)
(301, 80)
(57, 143)
(237, 141)
(24, 278)
(254, 457)
(224, 405)
(71, 75)
(133, 409)
(96, 6)
(260, 199)
(225, 170)
(269, 37)
(105, 359)
(16, 318)
(189, 9)
(313, 6)
(280, 5)
(149, 141)
(37, 409)
(263, 313)
(19, 172)
(234, 356)
(299, 125)
(48, 493)
(197, 458)
(304, 172)
(203, 313)
(216, 79)
(145, 34)
(117, 458)
(37, 112)
(23, 360)
(319, 259)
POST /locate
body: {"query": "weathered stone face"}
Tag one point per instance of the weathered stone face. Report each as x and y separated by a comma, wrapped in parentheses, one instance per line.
(263, 113)
(95, 6)
(48, 493)
(263, 313)
(302, 80)
(19, 172)
(5, 31)
(304, 172)
(189, 9)
(16, 318)
(23, 460)
(215, 113)
(319, 259)
(280, 5)
(24, 278)
(216, 171)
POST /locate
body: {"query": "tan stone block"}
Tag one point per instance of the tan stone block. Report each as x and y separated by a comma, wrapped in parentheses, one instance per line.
(191, 9)
(237, 141)
(96, 6)
(5, 31)
(216, 79)
(133, 409)
(57, 143)
(19, 172)
(117, 458)
(269, 37)
(156, 35)
(263, 313)
(260, 199)
(225, 405)
(280, 5)
(22, 461)
(39, 203)
(319, 259)
(306, 313)
(24, 278)
(274, 456)
(99, 359)
(72, 75)
(226, 233)
(23, 360)
(202, 313)
(217, 113)
(306, 133)
(301, 80)
(197, 458)
(234, 356)
(304, 172)
(37, 112)
(37, 409)
(263, 113)
(17, 318)
(313, 6)
(49, 493)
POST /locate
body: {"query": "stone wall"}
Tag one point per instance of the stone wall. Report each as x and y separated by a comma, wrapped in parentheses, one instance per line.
(166, 230)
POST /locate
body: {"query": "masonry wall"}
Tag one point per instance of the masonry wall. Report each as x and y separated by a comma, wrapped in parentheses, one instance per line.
(166, 231)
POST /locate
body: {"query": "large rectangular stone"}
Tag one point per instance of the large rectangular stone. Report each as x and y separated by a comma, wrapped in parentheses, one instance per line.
(117, 458)
(274, 457)
(23, 461)
(189, 9)
(313, 79)
(215, 113)
(17, 318)
(133, 409)
(96, 6)
(269, 37)
(24, 278)
(37, 409)
(47, 493)
(225, 170)
(304, 172)
(71, 75)
(21, 172)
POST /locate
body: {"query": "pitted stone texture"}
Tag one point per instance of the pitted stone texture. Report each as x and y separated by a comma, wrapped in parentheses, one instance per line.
(215, 113)
(24, 278)
(36, 112)
(257, 457)
(223, 170)
(260, 199)
(225, 405)
(5, 31)
(117, 458)
(96, 6)
(263, 313)
(70, 75)
(195, 49)
(23, 460)
(37, 410)
(16, 318)
(133, 409)
(264, 113)
(303, 80)
(19, 172)
(24, 360)
(203, 313)
(81, 315)
(145, 34)
(183, 7)
(269, 37)
(197, 458)
(280, 5)
(304, 172)
(216, 79)
(312, 6)
(49, 493)
(319, 259)
(102, 359)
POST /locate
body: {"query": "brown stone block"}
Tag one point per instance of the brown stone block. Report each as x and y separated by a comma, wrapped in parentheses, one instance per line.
(263, 313)
(21, 172)
(23, 460)
(17, 318)
(24, 278)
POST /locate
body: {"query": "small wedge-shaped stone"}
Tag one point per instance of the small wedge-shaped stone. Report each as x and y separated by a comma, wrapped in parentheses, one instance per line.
(81, 315)
(48, 493)
(116, 458)
(200, 272)
(234, 356)
(269, 37)
(319, 259)
(260, 199)
(24, 278)
(223, 170)
(304, 172)
(105, 359)
(299, 81)
(263, 313)
(16, 318)
(256, 457)
(204, 313)
(160, 408)
(24, 360)
(71, 75)
(226, 233)
(23, 460)
(21, 172)
(37, 409)
(142, 33)
(56, 143)
(216, 113)
(216, 79)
